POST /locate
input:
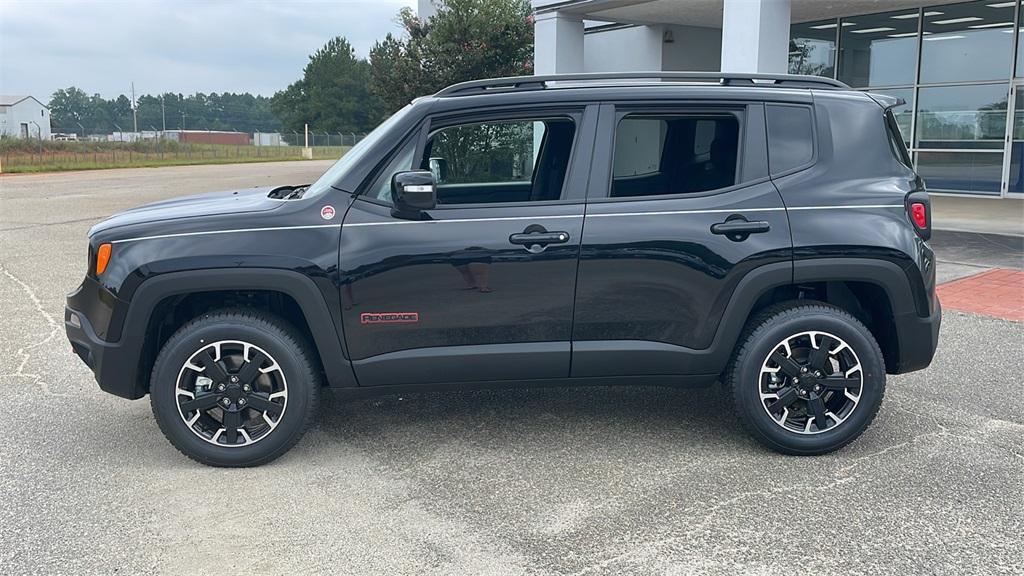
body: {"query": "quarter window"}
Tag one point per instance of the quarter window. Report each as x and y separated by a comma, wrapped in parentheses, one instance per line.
(657, 155)
(790, 137)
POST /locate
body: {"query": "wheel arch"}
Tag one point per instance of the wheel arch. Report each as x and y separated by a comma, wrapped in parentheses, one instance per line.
(184, 295)
(877, 292)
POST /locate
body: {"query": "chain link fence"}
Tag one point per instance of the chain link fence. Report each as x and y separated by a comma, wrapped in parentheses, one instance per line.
(32, 155)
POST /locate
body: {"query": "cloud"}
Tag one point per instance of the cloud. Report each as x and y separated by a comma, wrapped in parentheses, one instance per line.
(176, 46)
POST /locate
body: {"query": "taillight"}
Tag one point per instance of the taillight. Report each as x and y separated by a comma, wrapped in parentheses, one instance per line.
(919, 214)
(919, 208)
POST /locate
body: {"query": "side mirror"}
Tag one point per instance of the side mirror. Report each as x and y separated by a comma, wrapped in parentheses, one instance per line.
(413, 192)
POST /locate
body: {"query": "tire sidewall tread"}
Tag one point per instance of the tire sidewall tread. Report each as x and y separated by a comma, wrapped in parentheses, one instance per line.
(280, 340)
(766, 330)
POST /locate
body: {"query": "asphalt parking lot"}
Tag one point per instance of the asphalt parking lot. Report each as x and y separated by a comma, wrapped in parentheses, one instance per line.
(550, 481)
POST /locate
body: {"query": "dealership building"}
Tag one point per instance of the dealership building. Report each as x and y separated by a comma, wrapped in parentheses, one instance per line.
(959, 66)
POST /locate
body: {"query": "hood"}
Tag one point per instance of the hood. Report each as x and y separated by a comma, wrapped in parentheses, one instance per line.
(217, 203)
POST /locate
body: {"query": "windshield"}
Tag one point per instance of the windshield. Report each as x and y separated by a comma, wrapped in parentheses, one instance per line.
(355, 154)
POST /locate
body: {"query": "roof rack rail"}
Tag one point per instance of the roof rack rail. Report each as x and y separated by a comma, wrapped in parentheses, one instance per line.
(522, 83)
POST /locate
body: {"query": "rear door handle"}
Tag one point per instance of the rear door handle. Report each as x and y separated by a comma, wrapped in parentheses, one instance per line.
(738, 229)
(542, 238)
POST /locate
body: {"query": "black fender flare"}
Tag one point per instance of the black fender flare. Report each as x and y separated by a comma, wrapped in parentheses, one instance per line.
(310, 299)
(886, 274)
(890, 276)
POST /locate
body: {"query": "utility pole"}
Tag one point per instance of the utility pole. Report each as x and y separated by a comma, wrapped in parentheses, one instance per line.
(182, 120)
(163, 112)
(135, 113)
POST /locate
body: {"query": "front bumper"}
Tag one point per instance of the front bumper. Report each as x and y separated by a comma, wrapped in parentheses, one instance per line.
(86, 321)
(918, 339)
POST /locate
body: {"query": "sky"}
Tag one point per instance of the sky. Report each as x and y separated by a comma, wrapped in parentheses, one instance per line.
(182, 46)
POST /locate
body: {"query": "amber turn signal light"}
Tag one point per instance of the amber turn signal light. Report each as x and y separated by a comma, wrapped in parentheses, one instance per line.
(102, 258)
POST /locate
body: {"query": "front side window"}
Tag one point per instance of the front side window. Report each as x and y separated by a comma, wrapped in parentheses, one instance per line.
(657, 155)
(500, 161)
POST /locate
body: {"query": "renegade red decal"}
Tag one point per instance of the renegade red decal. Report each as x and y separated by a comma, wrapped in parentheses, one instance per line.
(389, 318)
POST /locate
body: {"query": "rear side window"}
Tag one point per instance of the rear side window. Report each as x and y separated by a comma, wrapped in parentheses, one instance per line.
(790, 137)
(659, 155)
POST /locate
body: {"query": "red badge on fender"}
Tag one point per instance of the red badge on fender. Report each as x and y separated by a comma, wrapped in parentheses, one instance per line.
(389, 318)
(327, 212)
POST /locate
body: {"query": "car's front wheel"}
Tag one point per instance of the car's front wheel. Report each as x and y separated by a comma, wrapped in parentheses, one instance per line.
(807, 378)
(234, 388)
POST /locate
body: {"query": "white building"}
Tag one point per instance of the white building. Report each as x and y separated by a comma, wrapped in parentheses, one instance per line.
(24, 117)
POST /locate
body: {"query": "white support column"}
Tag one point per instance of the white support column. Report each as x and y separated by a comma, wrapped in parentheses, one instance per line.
(755, 36)
(558, 44)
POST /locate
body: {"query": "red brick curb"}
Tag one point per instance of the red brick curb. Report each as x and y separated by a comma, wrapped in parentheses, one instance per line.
(998, 293)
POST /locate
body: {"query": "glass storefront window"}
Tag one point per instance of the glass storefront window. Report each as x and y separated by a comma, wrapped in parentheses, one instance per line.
(812, 48)
(959, 117)
(966, 42)
(879, 49)
(904, 112)
(969, 172)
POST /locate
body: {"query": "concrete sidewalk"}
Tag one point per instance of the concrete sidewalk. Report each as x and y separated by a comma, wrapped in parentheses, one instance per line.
(978, 214)
(972, 235)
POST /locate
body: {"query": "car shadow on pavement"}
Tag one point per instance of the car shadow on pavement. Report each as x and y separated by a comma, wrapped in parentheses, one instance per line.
(494, 418)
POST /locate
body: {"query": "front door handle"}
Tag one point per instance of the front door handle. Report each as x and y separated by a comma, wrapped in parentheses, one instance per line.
(536, 238)
(738, 228)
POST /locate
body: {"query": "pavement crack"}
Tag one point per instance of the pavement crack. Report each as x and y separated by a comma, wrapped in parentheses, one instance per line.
(25, 352)
(709, 513)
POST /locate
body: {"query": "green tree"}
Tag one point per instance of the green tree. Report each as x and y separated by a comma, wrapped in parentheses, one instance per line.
(465, 40)
(68, 108)
(333, 94)
(228, 111)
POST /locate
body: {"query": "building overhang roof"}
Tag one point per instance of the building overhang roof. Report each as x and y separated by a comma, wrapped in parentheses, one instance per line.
(708, 13)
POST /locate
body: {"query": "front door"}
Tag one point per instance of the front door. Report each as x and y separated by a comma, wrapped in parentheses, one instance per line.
(481, 288)
(684, 213)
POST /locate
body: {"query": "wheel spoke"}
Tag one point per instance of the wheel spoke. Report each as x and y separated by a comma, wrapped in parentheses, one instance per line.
(839, 383)
(251, 369)
(212, 368)
(201, 402)
(817, 406)
(788, 366)
(786, 397)
(232, 422)
(263, 404)
(819, 355)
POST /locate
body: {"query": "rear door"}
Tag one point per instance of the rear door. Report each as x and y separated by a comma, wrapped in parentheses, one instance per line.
(680, 209)
(481, 288)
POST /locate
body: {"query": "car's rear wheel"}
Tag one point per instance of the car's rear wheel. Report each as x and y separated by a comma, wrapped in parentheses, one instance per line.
(234, 388)
(807, 378)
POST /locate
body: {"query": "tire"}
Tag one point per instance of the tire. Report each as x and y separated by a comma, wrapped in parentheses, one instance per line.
(271, 388)
(785, 405)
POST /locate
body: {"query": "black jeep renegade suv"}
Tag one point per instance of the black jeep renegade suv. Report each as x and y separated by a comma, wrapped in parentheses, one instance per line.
(647, 228)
